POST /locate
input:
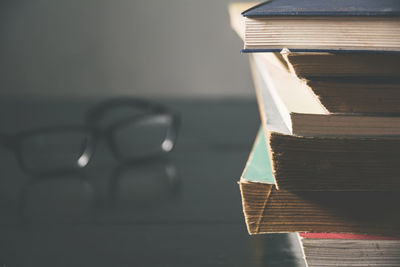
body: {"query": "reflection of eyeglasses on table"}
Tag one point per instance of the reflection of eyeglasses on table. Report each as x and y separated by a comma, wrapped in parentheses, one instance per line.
(133, 129)
(73, 197)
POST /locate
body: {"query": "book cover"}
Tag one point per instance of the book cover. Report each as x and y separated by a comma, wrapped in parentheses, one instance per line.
(324, 8)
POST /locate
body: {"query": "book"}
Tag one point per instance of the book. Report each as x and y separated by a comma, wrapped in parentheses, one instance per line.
(352, 83)
(311, 65)
(325, 162)
(269, 209)
(330, 249)
(306, 113)
(323, 26)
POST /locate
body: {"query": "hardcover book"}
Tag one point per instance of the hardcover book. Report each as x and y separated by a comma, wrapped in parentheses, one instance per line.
(323, 26)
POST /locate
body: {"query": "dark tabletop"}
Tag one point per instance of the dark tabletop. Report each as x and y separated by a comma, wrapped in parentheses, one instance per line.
(181, 210)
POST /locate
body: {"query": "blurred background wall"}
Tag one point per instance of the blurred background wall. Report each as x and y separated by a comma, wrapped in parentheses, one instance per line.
(85, 48)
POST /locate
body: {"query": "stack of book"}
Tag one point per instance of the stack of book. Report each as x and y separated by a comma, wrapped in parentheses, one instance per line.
(326, 161)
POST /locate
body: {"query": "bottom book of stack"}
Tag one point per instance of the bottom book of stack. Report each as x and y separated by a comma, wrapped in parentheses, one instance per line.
(329, 249)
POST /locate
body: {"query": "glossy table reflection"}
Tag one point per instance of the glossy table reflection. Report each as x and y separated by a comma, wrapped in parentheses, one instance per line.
(183, 210)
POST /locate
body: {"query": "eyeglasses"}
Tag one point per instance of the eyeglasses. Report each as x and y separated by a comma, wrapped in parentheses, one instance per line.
(133, 129)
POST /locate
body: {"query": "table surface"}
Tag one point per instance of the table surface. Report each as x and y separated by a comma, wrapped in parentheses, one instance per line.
(133, 215)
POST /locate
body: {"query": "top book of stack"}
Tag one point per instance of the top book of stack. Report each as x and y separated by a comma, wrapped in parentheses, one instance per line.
(323, 26)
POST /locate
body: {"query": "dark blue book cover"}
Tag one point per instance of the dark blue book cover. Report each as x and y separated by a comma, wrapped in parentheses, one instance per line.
(325, 8)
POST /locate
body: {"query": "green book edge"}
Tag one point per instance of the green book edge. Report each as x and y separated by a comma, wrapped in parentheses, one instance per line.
(258, 167)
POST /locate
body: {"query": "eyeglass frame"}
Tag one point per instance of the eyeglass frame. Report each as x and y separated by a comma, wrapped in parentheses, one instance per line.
(94, 133)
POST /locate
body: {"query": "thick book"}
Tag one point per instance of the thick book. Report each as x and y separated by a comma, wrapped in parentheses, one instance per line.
(352, 83)
(311, 65)
(269, 209)
(308, 111)
(330, 162)
(325, 25)
(330, 249)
